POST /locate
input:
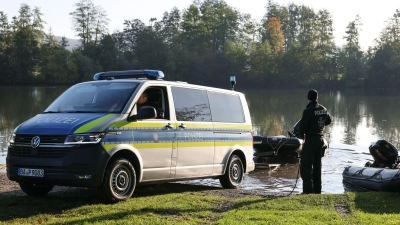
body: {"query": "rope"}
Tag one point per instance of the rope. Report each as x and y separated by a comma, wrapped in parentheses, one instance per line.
(277, 147)
(295, 184)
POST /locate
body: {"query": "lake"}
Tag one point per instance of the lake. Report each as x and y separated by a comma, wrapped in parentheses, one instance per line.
(360, 118)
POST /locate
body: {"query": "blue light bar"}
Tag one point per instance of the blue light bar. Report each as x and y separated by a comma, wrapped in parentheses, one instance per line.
(129, 74)
(154, 74)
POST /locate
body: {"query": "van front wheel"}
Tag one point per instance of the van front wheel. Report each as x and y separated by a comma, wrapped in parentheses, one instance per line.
(35, 189)
(234, 173)
(119, 180)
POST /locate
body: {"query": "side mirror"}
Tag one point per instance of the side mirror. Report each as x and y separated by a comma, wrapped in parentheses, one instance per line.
(147, 112)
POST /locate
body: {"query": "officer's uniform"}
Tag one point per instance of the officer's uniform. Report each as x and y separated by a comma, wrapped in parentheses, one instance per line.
(315, 118)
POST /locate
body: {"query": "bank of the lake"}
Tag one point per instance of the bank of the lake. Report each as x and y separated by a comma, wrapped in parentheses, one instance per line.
(196, 204)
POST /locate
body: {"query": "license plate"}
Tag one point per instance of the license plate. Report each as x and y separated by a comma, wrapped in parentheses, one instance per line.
(30, 172)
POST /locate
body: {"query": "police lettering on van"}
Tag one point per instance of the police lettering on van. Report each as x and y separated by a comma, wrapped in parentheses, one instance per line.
(93, 135)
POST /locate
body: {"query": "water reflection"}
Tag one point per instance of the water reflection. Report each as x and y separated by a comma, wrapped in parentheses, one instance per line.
(360, 118)
(19, 103)
(283, 179)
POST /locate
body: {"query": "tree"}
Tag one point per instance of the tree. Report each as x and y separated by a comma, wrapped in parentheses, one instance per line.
(384, 58)
(235, 53)
(100, 25)
(169, 27)
(259, 61)
(53, 61)
(354, 55)
(249, 30)
(5, 49)
(151, 51)
(25, 44)
(220, 21)
(128, 42)
(274, 35)
(89, 22)
(193, 29)
(108, 57)
(81, 68)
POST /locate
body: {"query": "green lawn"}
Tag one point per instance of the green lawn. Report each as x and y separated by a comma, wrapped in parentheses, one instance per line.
(187, 204)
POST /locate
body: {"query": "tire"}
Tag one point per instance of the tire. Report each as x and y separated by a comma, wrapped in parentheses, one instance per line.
(119, 180)
(234, 173)
(34, 189)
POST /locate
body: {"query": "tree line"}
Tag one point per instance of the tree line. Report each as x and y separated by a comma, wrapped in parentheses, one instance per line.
(205, 43)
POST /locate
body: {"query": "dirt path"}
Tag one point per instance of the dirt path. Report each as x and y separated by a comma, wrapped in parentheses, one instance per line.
(8, 187)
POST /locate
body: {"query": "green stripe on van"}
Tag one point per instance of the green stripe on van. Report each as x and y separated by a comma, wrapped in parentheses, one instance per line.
(91, 125)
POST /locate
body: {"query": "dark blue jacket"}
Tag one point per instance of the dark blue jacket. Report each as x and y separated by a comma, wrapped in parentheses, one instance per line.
(315, 118)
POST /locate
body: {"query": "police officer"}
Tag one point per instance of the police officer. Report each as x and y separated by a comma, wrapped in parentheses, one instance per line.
(315, 118)
(142, 101)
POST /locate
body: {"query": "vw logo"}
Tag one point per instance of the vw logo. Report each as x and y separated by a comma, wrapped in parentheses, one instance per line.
(35, 142)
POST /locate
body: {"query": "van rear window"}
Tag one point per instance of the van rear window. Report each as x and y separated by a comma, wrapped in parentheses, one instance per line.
(226, 108)
(95, 97)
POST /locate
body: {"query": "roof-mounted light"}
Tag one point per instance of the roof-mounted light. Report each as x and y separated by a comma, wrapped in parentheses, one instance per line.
(129, 74)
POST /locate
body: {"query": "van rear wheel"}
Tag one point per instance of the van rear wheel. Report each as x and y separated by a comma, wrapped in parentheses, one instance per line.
(234, 173)
(119, 180)
(35, 189)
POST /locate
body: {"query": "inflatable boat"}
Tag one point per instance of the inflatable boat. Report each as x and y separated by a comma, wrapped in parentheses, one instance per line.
(277, 145)
(375, 179)
(285, 148)
(270, 146)
(381, 175)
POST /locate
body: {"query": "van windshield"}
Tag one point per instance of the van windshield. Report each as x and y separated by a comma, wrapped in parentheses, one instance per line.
(96, 97)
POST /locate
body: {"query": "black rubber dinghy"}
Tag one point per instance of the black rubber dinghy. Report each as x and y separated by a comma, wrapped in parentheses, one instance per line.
(376, 179)
(279, 145)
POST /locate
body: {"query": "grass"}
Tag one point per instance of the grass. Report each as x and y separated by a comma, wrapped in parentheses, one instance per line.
(188, 204)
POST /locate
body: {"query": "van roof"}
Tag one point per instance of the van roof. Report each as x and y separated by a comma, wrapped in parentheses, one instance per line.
(144, 76)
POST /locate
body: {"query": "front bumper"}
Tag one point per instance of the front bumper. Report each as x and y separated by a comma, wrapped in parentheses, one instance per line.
(79, 166)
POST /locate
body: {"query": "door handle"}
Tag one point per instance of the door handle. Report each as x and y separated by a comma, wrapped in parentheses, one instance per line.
(182, 126)
(169, 126)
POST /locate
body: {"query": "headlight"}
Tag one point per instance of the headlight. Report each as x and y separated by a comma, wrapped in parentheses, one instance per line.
(80, 139)
(12, 138)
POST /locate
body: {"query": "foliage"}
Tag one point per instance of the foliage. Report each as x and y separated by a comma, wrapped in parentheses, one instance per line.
(204, 43)
(384, 58)
(89, 22)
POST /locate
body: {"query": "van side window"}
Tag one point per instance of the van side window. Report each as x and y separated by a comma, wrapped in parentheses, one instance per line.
(226, 108)
(191, 104)
(157, 98)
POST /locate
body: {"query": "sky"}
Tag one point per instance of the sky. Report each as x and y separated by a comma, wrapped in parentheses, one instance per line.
(56, 13)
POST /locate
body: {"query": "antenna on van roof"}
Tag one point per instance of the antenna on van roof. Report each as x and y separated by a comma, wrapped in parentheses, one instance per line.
(233, 82)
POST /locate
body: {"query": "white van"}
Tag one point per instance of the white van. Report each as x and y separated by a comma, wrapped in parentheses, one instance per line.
(94, 135)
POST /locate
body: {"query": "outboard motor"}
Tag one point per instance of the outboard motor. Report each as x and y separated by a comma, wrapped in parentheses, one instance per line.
(384, 154)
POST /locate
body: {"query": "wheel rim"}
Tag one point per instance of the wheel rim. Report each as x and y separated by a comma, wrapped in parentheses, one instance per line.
(235, 173)
(121, 181)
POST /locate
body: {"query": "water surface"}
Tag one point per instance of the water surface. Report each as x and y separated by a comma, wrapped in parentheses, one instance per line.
(360, 118)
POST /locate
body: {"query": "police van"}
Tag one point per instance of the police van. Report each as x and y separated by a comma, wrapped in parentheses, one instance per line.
(96, 135)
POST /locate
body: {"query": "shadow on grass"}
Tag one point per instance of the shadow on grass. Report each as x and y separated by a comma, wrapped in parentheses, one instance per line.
(18, 205)
(377, 202)
(373, 201)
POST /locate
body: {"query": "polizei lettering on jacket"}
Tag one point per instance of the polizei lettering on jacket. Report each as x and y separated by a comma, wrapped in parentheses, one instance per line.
(58, 120)
(320, 112)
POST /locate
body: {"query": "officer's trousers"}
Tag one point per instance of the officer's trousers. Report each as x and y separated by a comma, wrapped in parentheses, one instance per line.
(310, 164)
